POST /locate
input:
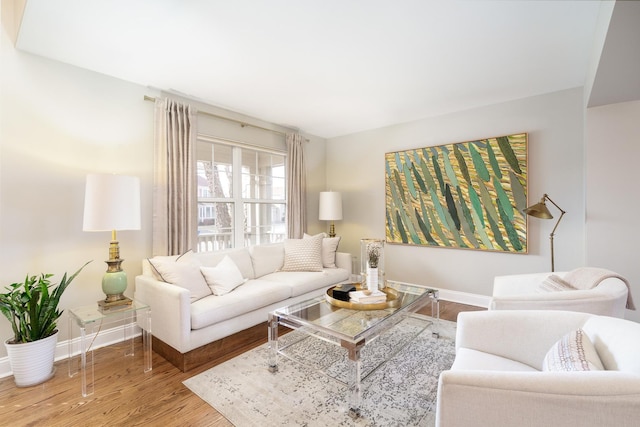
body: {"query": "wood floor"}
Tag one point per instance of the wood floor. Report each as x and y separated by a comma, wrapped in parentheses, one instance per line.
(124, 394)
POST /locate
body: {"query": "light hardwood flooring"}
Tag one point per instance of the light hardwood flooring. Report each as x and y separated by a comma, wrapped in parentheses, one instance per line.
(124, 394)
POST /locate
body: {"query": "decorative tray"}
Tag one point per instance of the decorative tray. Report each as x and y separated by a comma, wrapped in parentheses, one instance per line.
(392, 299)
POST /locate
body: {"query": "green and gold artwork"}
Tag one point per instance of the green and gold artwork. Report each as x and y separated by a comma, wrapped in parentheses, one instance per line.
(468, 195)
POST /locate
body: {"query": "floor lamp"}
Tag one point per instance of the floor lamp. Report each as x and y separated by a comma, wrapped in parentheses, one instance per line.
(540, 210)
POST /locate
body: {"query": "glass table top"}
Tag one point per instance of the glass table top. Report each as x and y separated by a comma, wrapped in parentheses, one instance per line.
(354, 325)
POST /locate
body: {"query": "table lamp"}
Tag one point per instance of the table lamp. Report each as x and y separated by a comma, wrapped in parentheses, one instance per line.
(112, 203)
(540, 210)
(330, 209)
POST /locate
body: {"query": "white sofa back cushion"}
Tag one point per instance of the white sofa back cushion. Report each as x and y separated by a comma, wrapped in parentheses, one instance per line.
(240, 257)
(267, 259)
(610, 336)
(183, 272)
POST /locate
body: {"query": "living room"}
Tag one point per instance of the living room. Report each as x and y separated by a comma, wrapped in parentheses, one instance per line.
(59, 122)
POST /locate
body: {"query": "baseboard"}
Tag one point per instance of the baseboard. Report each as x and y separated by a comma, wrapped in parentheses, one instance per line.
(105, 337)
(465, 298)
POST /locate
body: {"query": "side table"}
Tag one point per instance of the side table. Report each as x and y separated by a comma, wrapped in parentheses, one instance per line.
(91, 319)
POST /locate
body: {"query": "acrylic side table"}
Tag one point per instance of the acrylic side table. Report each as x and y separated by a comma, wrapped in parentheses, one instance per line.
(91, 319)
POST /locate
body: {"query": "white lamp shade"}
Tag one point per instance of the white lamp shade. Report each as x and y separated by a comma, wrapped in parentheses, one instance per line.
(111, 202)
(330, 206)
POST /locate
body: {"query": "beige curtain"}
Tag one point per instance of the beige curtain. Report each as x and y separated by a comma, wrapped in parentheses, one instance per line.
(174, 179)
(296, 187)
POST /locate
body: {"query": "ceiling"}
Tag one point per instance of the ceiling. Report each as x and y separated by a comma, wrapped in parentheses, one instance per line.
(326, 67)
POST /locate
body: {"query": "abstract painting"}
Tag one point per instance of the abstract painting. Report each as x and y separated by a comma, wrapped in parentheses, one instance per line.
(467, 195)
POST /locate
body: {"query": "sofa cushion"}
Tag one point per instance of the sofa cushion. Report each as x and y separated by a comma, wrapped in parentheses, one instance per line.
(267, 258)
(469, 359)
(183, 272)
(224, 277)
(301, 282)
(249, 296)
(240, 257)
(303, 254)
(572, 352)
(329, 249)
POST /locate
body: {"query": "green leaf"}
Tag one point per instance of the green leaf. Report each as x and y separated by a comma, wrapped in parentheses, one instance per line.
(512, 234)
(503, 199)
(509, 155)
(438, 172)
(453, 179)
(494, 162)
(403, 233)
(478, 163)
(424, 229)
(518, 191)
(419, 179)
(462, 164)
(451, 207)
(409, 181)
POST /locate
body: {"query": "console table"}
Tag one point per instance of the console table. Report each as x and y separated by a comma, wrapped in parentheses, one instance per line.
(91, 319)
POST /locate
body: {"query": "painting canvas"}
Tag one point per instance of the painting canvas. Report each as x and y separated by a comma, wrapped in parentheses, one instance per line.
(468, 195)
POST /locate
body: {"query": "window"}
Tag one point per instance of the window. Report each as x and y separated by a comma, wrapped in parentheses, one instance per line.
(241, 196)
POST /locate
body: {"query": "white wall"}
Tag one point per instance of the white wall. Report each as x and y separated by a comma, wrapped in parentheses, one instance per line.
(613, 202)
(59, 123)
(355, 166)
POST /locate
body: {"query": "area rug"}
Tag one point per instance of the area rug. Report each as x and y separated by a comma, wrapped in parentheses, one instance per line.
(400, 392)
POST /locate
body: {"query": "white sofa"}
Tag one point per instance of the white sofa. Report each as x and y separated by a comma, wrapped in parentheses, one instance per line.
(523, 292)
(497, 378)
(189, 331)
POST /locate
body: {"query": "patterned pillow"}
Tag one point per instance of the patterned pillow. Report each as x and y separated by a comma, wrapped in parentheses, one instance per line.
(554, 283)
(573, 352)
(303, 254)
(329, 249)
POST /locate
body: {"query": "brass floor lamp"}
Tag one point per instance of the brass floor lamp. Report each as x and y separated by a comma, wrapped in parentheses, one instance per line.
(540, 210)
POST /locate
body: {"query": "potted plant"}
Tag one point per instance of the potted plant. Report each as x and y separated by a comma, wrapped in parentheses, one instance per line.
(32, 309)
(372, 253)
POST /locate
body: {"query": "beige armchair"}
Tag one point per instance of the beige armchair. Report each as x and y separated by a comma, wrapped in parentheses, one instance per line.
(497, 378)
(610, 297)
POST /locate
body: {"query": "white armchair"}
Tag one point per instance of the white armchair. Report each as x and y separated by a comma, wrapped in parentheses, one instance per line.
(497, 378)
(522, 292)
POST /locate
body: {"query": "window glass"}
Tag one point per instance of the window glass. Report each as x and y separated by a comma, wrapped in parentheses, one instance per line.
(241, 196)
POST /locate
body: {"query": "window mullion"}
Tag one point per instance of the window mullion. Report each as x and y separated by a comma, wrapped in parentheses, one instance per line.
(238, 205)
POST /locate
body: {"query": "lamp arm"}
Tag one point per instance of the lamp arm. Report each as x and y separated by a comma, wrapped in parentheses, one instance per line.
(562, 212)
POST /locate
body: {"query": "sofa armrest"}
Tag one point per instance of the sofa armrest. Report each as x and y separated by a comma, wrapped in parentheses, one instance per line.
(501, 332)
(170, 310)
(480, 398)
(343, 260)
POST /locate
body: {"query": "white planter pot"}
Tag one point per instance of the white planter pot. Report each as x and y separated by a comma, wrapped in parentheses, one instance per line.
(32, 362)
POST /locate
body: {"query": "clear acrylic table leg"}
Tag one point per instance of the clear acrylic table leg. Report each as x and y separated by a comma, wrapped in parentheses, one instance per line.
(355, 378)
(146, 339)
(272, 323)
(435, 313)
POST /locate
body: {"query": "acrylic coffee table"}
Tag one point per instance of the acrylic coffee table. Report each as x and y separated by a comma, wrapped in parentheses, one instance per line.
(345, 325)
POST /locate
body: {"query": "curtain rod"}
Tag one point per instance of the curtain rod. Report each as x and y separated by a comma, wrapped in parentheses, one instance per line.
(242, 124)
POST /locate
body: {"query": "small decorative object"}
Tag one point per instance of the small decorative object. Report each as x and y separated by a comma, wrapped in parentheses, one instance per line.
(32, 310)
(372, 255)
(341, 292)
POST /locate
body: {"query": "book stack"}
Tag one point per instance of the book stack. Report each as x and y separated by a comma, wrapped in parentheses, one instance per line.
(366, 297)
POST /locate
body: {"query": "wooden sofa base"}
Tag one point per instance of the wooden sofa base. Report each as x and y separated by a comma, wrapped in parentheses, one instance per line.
(218, 351)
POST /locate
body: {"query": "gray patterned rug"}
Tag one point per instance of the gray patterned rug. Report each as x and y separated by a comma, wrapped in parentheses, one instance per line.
(401, 392)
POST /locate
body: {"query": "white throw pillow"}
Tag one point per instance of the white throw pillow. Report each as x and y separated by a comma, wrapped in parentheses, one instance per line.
(329, 249)
(303, 254)
(573, 352)
(183, 272)
(224, 277)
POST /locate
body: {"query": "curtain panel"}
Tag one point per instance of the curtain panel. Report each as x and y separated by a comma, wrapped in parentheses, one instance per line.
(296, 187)
(174, 178)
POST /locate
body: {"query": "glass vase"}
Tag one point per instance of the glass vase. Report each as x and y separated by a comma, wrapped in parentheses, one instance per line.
(372, 263)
